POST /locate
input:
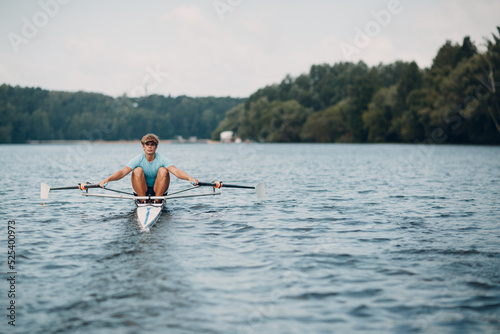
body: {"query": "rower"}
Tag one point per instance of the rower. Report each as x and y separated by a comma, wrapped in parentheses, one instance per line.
(150, 170)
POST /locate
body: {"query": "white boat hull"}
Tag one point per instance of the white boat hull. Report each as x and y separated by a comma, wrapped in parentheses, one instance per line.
(148, 213)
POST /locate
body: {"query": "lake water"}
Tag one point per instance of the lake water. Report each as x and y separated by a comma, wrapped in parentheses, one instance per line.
(349, 239)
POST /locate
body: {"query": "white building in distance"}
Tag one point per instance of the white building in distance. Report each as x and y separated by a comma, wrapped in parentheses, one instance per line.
(226, 136)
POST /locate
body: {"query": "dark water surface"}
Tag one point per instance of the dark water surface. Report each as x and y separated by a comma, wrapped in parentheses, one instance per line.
(350, 239)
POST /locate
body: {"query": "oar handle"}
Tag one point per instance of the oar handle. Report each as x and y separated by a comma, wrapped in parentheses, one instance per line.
(84, 186)
(220, 185)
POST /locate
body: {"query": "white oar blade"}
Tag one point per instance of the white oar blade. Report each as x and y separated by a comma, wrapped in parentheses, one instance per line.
(44, 191)
(261, 190)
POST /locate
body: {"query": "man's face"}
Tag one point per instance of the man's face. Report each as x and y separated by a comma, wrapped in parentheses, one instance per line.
(149, 147)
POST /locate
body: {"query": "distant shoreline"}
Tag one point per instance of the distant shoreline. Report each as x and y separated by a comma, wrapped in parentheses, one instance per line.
(208, 141)
(61, 142)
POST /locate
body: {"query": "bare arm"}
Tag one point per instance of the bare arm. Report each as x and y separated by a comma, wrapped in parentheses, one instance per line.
(116, 176)
(181, 174)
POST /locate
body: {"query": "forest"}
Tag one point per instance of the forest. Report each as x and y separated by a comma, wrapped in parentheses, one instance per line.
(33, 114)
(456, 100)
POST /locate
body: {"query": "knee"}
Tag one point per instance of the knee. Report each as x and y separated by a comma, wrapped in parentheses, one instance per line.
(162, 172)
(138, 171)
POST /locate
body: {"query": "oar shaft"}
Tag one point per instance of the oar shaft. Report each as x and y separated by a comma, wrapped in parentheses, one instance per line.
(86, 186)
(236, 186)
(148, 197)
(221, 184)
(45, 189)
(64, 188)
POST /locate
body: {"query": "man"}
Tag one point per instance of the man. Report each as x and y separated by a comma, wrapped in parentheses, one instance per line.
(150, 170)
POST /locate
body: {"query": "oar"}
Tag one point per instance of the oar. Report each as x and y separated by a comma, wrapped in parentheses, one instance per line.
(45, 189)
(148, 197)
(260, 188)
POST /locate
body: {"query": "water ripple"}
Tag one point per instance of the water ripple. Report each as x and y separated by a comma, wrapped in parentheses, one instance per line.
(381, 246)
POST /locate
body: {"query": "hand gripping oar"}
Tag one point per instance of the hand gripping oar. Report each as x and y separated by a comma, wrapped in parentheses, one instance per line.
(260, 188)
(45, 189)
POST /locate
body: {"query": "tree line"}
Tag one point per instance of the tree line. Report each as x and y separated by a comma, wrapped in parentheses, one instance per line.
(37, 114)
(456, 100)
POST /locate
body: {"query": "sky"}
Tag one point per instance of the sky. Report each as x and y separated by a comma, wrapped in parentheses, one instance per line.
(219, 47)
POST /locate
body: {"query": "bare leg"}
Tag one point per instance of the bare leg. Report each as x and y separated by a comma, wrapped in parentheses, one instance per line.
(162, 181)
(139, 182)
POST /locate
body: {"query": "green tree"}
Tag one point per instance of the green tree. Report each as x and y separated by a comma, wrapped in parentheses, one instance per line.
(326, 126)
(360, 94)
(36, 114)
(40, 125)
(378, 118)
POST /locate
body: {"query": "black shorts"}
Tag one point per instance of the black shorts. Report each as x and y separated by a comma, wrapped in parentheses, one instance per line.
(151, 192)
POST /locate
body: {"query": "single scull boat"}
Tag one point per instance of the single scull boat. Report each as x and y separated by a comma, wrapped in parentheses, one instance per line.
(148, 213)
(148, 208)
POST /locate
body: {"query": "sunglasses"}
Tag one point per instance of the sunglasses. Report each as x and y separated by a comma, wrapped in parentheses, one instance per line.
(150, 143)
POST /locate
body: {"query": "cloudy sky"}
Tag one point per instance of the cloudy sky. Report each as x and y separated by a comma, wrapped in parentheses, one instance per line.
(219, 47)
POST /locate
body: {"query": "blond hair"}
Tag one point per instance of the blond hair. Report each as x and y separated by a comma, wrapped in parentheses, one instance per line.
(150, 137)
